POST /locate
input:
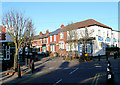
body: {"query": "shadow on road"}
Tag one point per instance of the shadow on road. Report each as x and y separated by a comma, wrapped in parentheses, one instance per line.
(64, 64)
(85, 72)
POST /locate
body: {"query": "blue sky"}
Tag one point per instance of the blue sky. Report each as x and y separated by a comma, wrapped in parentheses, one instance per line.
(50, 15)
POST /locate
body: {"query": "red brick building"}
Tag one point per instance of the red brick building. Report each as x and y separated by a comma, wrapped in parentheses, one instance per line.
(50, 41)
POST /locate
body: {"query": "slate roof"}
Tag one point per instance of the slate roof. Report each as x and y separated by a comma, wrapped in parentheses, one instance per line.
(86, 23)
(55, 32)
(45, 36)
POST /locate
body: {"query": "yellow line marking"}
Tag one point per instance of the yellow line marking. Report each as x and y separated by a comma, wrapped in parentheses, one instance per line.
(94, 79)
(97, 79)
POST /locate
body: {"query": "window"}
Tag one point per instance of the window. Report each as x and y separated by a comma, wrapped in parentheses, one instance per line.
(61, 45)
(37, 42)
(47, 40)
(67, 47)
(107, 33)
(103, 34)
(61, 35)
(52, 48)
(99, 33)
(50, 38)
(54, 37)
(41, 41)
(68, 35)
(113, 35)
(44, 40)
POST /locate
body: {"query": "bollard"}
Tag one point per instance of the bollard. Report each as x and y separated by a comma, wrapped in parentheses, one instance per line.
(115, 55)
(29, 63)
(99, 57)
(110, 78)
(32, 67)
(70, 57)
(19, 71)
(106, 57)
(26, 62)
(109, 64)
(108, 69)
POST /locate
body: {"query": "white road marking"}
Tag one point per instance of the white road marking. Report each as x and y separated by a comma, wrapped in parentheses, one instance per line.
(98, 66)
(58, 82)
(74, 70)
(51, 68)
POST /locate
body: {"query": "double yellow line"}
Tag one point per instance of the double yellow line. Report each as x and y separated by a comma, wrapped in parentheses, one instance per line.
(95, 80)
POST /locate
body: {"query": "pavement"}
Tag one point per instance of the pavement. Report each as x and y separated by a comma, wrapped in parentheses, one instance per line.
(5, 78)
(55, 71)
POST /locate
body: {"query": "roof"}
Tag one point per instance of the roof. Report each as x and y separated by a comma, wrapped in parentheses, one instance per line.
(45, 36)
(55, 32)
(39, 37)
(86, 23)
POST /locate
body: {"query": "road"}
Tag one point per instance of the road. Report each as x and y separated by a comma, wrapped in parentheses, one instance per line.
(59, 72)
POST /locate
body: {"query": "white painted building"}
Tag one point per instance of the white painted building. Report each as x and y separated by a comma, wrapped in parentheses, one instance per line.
(104, 36)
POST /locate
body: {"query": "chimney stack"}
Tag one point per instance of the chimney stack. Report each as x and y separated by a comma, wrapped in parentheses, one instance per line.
(62, 26)
(40, 34)
(47, 32)
(4, 29)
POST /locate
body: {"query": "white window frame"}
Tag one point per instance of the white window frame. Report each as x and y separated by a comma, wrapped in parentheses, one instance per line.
(50, 38)
(99, 32)
(61, 35)
(107, 33)
(41, 41)
(54, 37)
(44, 40)
(47, 40)
(61, 45)
(52, 48)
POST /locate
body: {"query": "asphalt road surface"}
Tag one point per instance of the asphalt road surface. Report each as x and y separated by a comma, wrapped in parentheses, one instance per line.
(59, 72)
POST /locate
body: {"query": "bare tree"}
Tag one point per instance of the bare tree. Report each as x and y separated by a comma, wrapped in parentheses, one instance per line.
(86, 36)
(18, 27)
(72, 37)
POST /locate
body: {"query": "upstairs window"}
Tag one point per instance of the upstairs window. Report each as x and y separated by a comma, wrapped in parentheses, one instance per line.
(61, 35)
(50, 38)
(99, 33)
(44, 40)
(54, 37)
(47, 41)
(107, 33)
